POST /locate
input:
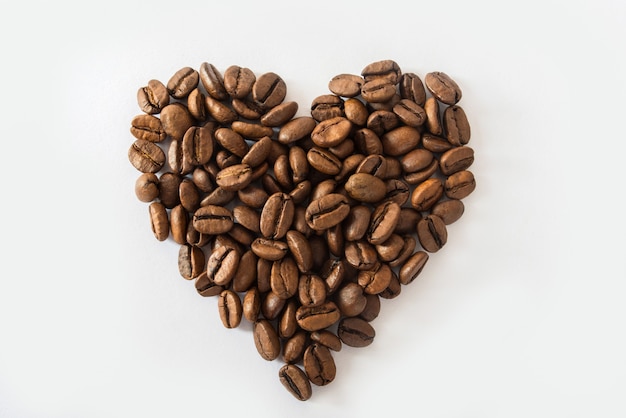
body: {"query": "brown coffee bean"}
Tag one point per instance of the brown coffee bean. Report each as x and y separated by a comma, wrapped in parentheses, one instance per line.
(416, 160)
(372, 308)
(176, 119)
(213, 81)
(444, 88)
(319, 364)
(238, 81)
(147, 187)
(247, 217)
(246, 108)
(212, 219)
(327, 106)
(334, 240)
(382, 121)
(435, 143)
(300, 249)
(179, 219)
(284, 277)
(375, 165)
(253, 196)
(266, 339)
(252, 131)
(153, 97)
(460, 185)
(287, 324)
(222, 265)
(368, 142)
(296, 129)
(220, 111)
(449, 211)
(350, 299)
(455, 160)
(394, 288)
(361, 255)
(282, 173)
(433, 116)
(315, 318)
(346, 85)
(327, 339)
(397, 191)
(374, 281)
(183, 82)
(410, 113)
(390, 249)
(327, 211)
(276, 216)
(432, 233)
(159, 221)
(378, 91)
(400, 140)
(147, 127)
(383, 222)
(331, 132)
(234, 177)
(189, 195)
(408, 221)
(294, 346)
(280, 114)
(311, 290)
(230, 308)
(355, 332)
(412, 267)
(356, 112)
(295, 381)
(365, 188)
(196, 105)
(356, 223)
(258, 152)
(412, 88)
(246, 274)
(206, 287)
(197, 145)
(269, 249)
(269, 90)
(426, 194)
(251, 306)
(408, 246)
(324, 161)
(333, 272)
(169, 186)
(146, 156)
(232, 141)
(386, 69)
(456, 125)
(218, 197)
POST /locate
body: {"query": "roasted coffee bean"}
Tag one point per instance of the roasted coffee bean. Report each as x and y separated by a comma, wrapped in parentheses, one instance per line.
(383, 222)
(230, 308)
(202, 180)
(346, 85)
(247, 108)
(212, 219)
(288, 325)
(327, 339)
(375, 280)
(213, 81)
(460, 185)
(311, 290)
(408, 246)
(206, 287)
(355, 332)
(153, 97)
(378, 90)
(386, 69)
(196, 104)
(258, 152)
(324, 161)
(196, 238)
(299, 222)
(361, 255)
(282, 172)
(159, 221)
(397, 191)
(269, 90)
(335, 241)
(400, 140)
(218, 197)
(276, 216)
(263, 273)
(225, 240)
(183, 82)
(238, 81)
(220, 111)
(284, 277)
(179, 219)
(147, 187)
(280, 114)
(432, 233)
(368, 142)
(435, 143)
(455, 160)
(319, 364)
(331, 132)
(247, 217)
(295, 381)
(253, 196)
(241, 235)
(296, 129)
(222, 265)
(449, 210)
(269, 249)
(189, 195)
(232, 141)
(394, 288)
(390, 248)
(252, 131)
(408, 221)
(416, 160)
(197, 145)
(176, 119)
(245, 275)
(356, 223)
(327, 106)
(412, 267)
(375, 165)
(146, 156)
(412, 88)
(251, 306)
(456, 126)
(382, 121)
(315, 318)
(372, 308)
(365, 188)
(272, 305)
(433, 116)
(344, 149)
(355, 111)
(327, 211)
(410, 113)
(300, 249)
(294, 346)
(147, 127)
(426, 194)
(444, 88)
(266, 339)
(234, 177)
(169, 186)
(333, 272)
(175, 158)
(350, 299)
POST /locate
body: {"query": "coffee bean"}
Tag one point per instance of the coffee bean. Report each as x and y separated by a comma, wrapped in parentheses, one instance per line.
(408, 245)
(284, 277)
(327, 106)
(176, 119)
(276, 216)
(412, 267)
(315, 318)
(410, 113)
(206, 287)
(287, 324)
(234, 177)
(230, 308)
(159, 221)
(350, 299)
(365, 188)
(213, 81)
(319, 364)
(456, 159)
(449, 210)
(375, 280)
(147, 187)
(179, 218)
(382, 121)
(252, 131)
(300, 249)
(432, 233)
(456, 126)
(460, 185)
(333, 273)
(295, 381)
(220, 111)
(272, 305)
(378, 90)
(331, 132)
(238, 81)
(383, 222)
(426, 194)
(196, 105)
(346, 85)
(372, 308)
(327, 211)
(147, 127)
(361, 255)
(400, 140)
(356, 223)
(222, 265)
(412, 88)
(385, 69)
(324, 161)
(296, 129)
(153, 97)
(246, 274)
(269, 90)
(355, 332)
(327, 339)
(212, 219)
(311, 290)
(251, 306)
(433, 118)
(280, 114)
(269, 249)
(266, 339)
(355, 111)
(294, 346)
(434, 143)
(443, 87)
(146, 156)
(183, 82)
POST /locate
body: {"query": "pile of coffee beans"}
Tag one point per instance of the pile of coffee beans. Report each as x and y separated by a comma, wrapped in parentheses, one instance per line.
(301, 224)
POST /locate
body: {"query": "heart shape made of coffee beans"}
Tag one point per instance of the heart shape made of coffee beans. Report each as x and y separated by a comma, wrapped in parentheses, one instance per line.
(300, 224)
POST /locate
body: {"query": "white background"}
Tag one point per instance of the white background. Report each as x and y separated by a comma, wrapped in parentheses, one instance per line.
(521, 314)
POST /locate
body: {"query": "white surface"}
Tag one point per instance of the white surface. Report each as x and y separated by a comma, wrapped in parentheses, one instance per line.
(521, 314)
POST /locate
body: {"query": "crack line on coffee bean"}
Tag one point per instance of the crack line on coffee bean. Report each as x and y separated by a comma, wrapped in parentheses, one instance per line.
(146, 155)
(433, 232)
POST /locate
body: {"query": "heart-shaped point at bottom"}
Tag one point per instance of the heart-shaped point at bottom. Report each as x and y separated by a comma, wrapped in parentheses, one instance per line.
(301, 224)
